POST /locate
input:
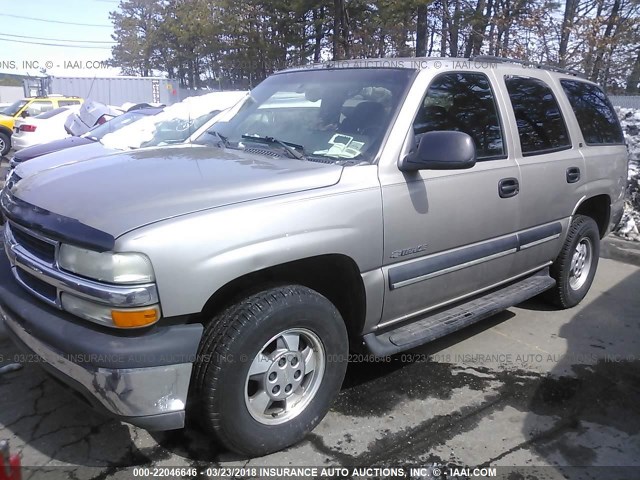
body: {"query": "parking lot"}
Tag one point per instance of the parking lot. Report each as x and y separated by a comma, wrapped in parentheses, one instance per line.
(531, 387)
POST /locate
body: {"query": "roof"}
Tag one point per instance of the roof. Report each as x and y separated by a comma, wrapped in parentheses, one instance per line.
(419, 63)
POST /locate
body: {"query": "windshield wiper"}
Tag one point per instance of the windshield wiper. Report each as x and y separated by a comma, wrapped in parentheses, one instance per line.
(295, 150)
(222, 138)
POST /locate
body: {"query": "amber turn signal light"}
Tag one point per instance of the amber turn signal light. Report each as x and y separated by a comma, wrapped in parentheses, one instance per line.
(136, 318)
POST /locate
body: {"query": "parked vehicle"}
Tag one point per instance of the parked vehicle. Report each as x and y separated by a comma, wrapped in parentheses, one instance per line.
(93, 135)
(381, 209)
(43, 128)
(175, 124)
(29, 107)
(90, 114)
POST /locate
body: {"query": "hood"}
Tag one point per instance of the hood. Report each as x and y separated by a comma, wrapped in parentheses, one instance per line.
(63, 157)
(126, 190)
(49, 147)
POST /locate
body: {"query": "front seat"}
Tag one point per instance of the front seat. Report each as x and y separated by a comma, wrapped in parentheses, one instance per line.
(365, 118)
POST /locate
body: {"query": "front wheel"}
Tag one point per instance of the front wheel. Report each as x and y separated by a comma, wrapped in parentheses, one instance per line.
(5, 144)
(269, 367)
(575, 267)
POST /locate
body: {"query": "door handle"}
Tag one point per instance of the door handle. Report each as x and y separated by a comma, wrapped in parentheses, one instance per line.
(508, 187)
(573, 174)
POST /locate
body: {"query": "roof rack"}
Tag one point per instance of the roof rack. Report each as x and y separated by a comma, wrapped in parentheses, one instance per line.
(552, 68)
(56, 95)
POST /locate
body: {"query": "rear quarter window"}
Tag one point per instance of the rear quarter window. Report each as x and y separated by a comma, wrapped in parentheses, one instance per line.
(595, 114)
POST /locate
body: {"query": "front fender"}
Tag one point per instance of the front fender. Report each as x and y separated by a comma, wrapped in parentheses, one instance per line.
(195, 255)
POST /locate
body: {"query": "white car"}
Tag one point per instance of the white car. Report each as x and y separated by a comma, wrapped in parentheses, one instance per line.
(43, 128)
(176, 124)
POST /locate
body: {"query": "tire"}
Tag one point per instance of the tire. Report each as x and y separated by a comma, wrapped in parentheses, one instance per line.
(236, 407)
(575, 267)
(5, 144)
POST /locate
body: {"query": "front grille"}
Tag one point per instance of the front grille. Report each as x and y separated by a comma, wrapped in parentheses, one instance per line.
(39, 287)
(35, 246)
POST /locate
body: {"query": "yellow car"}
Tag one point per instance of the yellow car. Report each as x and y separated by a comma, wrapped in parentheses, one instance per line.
(29, 107)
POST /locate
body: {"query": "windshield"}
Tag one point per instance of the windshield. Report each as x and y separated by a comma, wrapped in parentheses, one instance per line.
(14, 108)
(173, 125)
(337, 114)
(116, 123)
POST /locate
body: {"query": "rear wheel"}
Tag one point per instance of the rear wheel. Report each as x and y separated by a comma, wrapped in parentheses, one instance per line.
(5, 144)
(575, 267)
(268, 369)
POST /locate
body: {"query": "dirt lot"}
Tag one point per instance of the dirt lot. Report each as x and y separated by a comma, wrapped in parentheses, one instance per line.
(531, 387)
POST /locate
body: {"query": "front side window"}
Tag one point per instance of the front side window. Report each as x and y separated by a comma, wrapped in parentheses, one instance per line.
(541, 126)
(595, 114)
(463, 102)
(324, 115)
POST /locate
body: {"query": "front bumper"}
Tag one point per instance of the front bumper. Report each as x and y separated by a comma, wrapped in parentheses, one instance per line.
(140, 378)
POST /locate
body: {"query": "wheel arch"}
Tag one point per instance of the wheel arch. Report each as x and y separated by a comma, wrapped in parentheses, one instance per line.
(336, 276)
(597, 207)
(6, 131)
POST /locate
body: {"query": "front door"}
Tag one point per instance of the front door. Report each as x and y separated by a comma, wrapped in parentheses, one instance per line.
(450, 234)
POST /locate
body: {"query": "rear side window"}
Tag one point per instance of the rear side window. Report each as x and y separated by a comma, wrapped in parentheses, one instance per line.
(595, 114)
(540, 124)
(66, 103)
(463, 102)
(39, 106)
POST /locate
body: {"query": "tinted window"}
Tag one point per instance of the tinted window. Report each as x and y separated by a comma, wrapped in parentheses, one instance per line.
(596, 117)
(463, 102)
(540, 123)
(66, 103)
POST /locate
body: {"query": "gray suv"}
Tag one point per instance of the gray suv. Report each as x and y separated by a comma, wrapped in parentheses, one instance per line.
(368, 206)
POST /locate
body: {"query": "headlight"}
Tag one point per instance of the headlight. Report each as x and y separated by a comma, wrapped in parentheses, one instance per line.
(11, 179)
(110, 267)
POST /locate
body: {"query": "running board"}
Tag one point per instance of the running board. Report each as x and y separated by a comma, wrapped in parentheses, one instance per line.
(444, 322)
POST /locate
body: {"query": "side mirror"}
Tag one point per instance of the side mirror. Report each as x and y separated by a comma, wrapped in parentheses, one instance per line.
(24, 114)
(441, 150)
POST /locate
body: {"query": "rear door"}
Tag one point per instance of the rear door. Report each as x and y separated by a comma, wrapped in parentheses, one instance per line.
(448, 234)
(552, 168)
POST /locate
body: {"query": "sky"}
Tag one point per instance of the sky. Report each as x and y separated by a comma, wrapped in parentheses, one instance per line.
(73, 23)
